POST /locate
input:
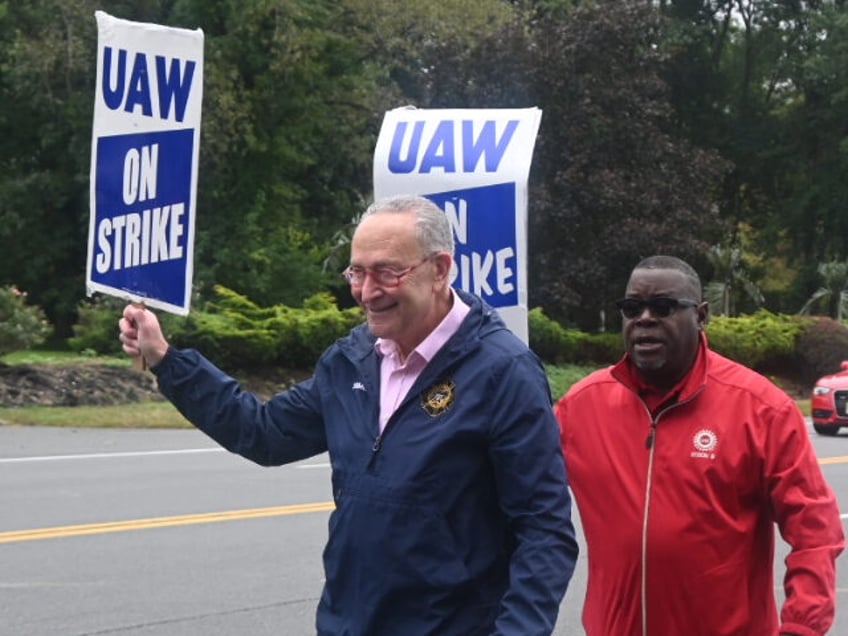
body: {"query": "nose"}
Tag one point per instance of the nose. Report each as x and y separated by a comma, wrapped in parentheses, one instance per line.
(645, 310)
(368, 290)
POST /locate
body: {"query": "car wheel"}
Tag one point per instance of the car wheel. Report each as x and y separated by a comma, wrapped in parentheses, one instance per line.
(826, 430)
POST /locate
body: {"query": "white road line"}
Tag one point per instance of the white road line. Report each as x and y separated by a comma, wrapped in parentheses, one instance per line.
(51, 458)
(185, 451)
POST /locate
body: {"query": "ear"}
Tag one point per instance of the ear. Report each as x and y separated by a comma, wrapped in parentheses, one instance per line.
(444, 262)
(703, 314)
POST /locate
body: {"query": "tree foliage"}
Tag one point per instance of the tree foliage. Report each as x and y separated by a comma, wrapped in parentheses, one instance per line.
(21, 325)
(731, 283)
(615, 183)
(833, 293)
(763, 82)
(45, 135)
(665, 126)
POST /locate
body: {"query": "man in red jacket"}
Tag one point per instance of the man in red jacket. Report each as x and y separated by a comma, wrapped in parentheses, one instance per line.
(681, 461)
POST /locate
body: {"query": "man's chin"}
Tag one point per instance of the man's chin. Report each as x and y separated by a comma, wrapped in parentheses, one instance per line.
(380, 329)
(647, 364)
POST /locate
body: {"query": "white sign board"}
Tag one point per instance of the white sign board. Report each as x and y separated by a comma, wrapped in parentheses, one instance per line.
(474, 164)
(144, 153)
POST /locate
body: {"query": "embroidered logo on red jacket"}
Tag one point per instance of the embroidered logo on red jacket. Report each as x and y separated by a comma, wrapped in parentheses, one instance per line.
(705, 442)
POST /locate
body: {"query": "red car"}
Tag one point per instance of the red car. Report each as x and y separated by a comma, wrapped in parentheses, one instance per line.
(829, 404)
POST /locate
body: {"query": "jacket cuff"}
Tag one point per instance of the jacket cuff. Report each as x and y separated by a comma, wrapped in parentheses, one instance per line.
(797, 630)
(163, 363)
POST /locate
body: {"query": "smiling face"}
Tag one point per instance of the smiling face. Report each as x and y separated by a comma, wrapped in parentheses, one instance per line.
(663, 349)
(407, 313)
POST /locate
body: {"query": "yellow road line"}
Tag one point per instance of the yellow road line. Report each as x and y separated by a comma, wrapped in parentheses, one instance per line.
(833, 460)
(161, 522)
(208, 517)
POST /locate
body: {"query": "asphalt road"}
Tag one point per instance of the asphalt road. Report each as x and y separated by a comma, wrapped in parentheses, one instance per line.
(143, 533)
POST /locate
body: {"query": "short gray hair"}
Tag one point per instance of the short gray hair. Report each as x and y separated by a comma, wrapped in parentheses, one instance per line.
(661, 261)
(432, 227)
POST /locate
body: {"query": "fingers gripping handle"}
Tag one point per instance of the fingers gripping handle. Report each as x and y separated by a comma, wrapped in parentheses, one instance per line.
(138, 362)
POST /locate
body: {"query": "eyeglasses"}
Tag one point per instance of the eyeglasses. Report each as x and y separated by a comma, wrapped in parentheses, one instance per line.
(661, 307)
(383, 276)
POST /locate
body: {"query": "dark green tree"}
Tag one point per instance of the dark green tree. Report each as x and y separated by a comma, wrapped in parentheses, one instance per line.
(763, 82)
(46, 73)
(730, 284)
(833, 293)
(287, 135)
(811, 174)
(617, 181)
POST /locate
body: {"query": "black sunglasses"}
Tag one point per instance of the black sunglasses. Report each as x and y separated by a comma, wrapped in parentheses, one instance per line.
(660, 307)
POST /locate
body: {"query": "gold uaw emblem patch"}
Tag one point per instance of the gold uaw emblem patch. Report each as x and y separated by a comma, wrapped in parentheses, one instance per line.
(438, 398)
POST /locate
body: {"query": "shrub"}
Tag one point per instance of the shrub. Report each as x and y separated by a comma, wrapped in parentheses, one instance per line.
(822, 345)
(548, 338)
(96, 328)
(230, 329)
(557, 345)
(227, 301)
(600, 348)
(228, 339)
(239, 335)
(21, 326)
(317, 330)
(762, 340)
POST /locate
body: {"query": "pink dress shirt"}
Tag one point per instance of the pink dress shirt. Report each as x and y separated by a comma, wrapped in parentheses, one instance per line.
(396, 378)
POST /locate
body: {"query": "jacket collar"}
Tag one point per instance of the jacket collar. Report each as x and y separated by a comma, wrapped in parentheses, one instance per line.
(626, 373)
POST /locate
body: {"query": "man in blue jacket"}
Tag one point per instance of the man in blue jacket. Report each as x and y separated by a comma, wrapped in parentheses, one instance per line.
(452, 515)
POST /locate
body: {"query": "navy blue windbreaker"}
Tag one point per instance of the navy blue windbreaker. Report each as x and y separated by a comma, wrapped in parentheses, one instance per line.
(456, 520)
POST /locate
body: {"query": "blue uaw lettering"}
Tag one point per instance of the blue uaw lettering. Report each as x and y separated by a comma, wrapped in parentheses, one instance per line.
(458, 218)
(140, 238)
(172, 86)
(140, 170)
(441, 151)
(475, 270)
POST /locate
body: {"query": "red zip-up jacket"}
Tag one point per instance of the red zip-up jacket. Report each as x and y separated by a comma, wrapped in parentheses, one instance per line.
(678, 508)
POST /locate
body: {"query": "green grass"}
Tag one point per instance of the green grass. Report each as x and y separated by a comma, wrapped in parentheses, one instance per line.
(136, 415)
(162, 414)
(33, 356)
(563, 376)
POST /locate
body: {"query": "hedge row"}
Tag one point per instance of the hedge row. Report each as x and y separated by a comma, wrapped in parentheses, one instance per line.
(799, 348)
(232, 330)
(239, 335)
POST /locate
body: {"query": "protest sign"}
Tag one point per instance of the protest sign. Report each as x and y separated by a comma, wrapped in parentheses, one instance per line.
(145, 149)
(474, 164)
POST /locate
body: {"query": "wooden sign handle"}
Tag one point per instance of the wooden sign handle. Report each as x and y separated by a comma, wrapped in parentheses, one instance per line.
(138, 362)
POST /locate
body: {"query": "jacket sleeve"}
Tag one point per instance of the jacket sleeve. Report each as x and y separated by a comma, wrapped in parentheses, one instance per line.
(286, 428)
(526, 456)
(808, 517)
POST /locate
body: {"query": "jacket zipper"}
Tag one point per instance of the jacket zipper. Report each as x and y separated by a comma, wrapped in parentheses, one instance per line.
(375, 449)
(650, 444)
(378, 441)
